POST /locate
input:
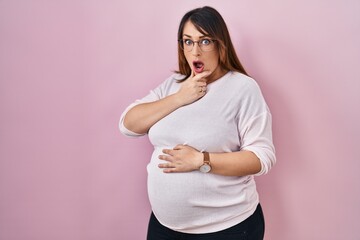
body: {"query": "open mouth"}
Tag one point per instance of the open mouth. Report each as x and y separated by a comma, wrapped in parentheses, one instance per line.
(198, 66)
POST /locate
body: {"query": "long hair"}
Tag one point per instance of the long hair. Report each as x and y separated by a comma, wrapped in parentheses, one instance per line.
(208, 21)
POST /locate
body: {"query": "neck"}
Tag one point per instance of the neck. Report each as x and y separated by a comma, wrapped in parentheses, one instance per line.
(218, 73)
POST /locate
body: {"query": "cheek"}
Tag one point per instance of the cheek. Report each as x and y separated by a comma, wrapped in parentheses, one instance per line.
(188, 58)
(213, 60)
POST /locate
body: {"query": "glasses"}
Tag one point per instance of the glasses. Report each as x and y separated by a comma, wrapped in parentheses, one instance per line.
(205, 45)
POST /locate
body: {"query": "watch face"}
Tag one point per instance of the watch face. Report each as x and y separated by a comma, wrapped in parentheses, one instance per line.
(205, 168)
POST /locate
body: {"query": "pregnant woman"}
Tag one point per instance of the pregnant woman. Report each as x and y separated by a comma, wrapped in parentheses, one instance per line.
(211, 131)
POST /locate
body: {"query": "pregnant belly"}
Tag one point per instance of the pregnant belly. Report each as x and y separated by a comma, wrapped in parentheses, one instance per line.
(177, 197)
(171, 188)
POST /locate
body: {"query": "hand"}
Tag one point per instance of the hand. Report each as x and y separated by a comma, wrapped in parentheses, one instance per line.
(193, 88)
(181, 158)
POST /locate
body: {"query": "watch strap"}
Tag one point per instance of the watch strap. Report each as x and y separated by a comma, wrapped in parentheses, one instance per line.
(206, 158)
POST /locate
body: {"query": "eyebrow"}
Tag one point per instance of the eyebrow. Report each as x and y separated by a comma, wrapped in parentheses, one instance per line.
(202, 36)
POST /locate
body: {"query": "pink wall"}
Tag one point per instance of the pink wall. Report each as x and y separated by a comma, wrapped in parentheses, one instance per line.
(68, 69)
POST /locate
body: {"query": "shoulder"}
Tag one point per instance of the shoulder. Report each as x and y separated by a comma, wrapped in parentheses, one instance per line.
(246, 92)
(241, 80)
(242, 85)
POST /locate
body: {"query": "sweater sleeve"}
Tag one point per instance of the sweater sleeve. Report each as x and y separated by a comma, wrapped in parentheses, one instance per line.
(154, 95)
(255, 128)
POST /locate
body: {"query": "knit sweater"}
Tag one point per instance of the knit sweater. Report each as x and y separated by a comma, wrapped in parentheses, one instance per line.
(232, 116)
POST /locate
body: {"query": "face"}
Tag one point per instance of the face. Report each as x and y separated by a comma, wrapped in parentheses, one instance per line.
(197, 59)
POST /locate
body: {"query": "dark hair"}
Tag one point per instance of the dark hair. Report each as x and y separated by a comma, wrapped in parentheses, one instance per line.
(208, 21)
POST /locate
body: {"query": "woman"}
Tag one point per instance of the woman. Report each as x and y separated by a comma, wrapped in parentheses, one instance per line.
(211, 131)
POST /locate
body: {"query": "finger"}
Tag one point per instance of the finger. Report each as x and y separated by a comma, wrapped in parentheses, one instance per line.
(169, 170)
(201, 84)
(192, 75)
(202, 90)
(201, 76)
(166, 165)
(165, 158)
(167, 151)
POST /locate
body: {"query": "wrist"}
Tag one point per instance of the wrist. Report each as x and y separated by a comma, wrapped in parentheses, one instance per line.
(206, 165)
(199, 160)
(178, 100)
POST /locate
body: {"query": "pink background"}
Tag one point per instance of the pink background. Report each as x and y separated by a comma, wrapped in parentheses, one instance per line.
(69, 68)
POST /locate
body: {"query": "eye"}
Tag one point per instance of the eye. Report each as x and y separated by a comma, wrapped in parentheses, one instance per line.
(205, 42)
(188, 42)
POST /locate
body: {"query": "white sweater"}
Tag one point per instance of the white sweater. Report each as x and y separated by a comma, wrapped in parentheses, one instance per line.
(232, 116)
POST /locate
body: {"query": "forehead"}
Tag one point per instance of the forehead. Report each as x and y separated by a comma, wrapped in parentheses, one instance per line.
(191, 30)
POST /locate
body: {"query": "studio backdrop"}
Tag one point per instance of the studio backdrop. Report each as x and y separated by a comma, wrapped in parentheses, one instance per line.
(69, 68)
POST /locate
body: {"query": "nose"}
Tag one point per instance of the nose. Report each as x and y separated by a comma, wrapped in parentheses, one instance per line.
(196, 49)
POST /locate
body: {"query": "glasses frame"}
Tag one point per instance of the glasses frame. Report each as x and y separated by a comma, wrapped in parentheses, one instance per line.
(181, 42)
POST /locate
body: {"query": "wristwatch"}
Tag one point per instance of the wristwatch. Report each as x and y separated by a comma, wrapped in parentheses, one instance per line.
(206, 167)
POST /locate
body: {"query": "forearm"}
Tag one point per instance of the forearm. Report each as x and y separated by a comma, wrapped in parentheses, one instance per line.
(240, 163)
(183, 158)
(143, 116)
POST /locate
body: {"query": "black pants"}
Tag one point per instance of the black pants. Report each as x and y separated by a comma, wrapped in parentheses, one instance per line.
(252, 228)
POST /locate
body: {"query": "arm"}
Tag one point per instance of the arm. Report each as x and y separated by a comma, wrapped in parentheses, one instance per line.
(141, 117)
(256, 152)
(235, 163)
(256, 157)
(185, 159)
